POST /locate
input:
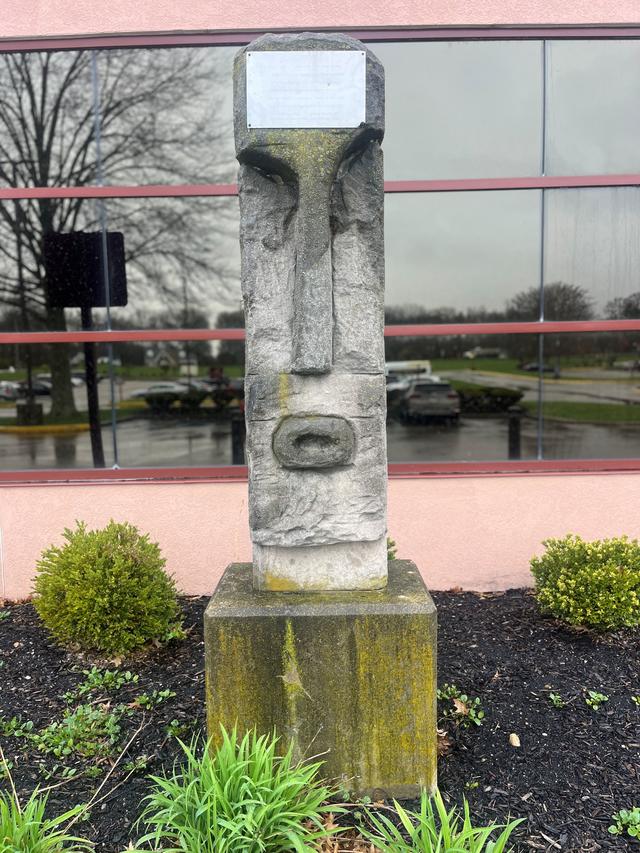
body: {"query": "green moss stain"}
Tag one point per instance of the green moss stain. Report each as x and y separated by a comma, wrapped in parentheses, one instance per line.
(396, 692)
(294, 690)
(371, 674)
(283, 393)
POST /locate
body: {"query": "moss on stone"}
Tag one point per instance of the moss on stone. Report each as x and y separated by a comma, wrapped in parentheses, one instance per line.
(353, 674)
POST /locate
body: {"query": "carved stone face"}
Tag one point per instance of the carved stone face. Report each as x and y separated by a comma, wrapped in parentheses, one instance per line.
(311, 235)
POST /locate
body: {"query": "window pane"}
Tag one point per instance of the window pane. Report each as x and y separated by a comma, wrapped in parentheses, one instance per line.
(591, 402)
(46, 119)
(44, 419)
(452, 257)
(182, 260)
(592, 117)
(462, 109)
(178, 405)
(592, 254)
(167, 115)
(461, 407)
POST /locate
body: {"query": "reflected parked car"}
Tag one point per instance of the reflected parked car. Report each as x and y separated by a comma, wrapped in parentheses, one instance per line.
(430, 399)
(161, 396)
(39, 388)
(9, 390)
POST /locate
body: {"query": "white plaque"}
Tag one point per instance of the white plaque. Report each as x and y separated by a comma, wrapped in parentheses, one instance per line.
(306, 88)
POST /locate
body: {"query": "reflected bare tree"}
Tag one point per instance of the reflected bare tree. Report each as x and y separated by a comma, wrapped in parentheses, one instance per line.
(160, 123)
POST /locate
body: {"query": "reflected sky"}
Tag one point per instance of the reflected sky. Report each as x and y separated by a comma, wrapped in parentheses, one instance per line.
(462, 109)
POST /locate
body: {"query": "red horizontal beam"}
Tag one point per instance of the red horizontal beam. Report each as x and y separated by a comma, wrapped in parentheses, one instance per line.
(374, 34)
(417, 186)
(142, 191)
(413, 330)
(536, 327)
(238, 473)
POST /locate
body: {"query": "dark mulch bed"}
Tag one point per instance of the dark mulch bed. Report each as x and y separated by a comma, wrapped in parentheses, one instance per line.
(575, 766)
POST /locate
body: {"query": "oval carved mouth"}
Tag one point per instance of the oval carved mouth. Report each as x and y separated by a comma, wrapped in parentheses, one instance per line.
(313, 441)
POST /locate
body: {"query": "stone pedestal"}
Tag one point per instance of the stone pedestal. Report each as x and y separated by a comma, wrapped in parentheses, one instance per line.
(352, 674)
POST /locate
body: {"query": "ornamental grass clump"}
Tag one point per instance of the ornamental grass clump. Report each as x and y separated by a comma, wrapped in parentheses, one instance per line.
(106, 590)
(591, 584)
(435, 830)
(240, 797)
(24, 827)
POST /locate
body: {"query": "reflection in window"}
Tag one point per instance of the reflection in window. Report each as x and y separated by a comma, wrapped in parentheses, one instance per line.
(460, 257)
(592, 254)
(471, 398)
(46, 119)
(591, 398)
(592, 121)
(167, 115)
(462, 109)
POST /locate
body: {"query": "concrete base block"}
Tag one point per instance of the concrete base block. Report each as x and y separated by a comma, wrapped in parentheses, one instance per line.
(352, 674)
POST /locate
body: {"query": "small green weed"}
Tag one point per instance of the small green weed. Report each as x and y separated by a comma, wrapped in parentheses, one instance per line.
(636, 700)
(556, 700)
(157, 697)
(626, 821)
(96, 679)
(434, 828)
(392, 549)
(4, 614)
(88, 730)
(594, 699)
(464, 710)
(16, 727)
(177, 729)
(240, 797)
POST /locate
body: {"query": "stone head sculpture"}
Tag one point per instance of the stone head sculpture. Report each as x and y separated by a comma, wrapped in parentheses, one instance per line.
(309, 119)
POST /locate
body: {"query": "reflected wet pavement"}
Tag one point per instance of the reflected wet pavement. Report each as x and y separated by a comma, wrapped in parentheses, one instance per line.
(145, 442)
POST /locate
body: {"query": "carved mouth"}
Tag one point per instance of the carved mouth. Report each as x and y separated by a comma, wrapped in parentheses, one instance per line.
(313, 441)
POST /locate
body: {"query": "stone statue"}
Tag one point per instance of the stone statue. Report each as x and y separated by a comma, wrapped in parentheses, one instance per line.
(311, 203)
(346, 667)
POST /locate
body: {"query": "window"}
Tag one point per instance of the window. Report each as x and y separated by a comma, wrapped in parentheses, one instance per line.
(512, 234)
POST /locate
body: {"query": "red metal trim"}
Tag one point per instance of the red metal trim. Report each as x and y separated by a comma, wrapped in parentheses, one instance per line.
(417, 186)
(118, 336)
(238, 473)
(534, 327)
(374, 34)
(227, 473)
(414, 330)
(148, 191)
(532, 183)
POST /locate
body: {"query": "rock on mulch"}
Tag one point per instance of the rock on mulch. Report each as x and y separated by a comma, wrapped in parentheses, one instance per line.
(574, 768)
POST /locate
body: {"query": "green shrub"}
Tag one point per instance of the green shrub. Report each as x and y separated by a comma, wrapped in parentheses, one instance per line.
(595, 584)
(105, 590)
(24, 828)
(435, 830)
(238, 798)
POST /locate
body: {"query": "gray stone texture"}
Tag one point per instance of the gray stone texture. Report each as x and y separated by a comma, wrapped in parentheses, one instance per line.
(311, 233)
(350, 676)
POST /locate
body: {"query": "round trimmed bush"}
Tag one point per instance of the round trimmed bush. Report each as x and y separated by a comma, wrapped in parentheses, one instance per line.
(594, 584)
(105, 590)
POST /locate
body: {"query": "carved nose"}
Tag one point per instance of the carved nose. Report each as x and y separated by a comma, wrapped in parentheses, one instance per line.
(313, 293)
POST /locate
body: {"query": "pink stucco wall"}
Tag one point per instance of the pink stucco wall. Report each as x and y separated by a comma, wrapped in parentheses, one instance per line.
(471, 532)
(62, 17)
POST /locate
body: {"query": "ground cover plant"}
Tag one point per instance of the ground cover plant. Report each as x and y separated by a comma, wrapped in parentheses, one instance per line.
(106, 590)
(575, 768)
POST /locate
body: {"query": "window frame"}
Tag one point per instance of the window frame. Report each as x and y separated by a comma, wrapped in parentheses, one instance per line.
(234, 473)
